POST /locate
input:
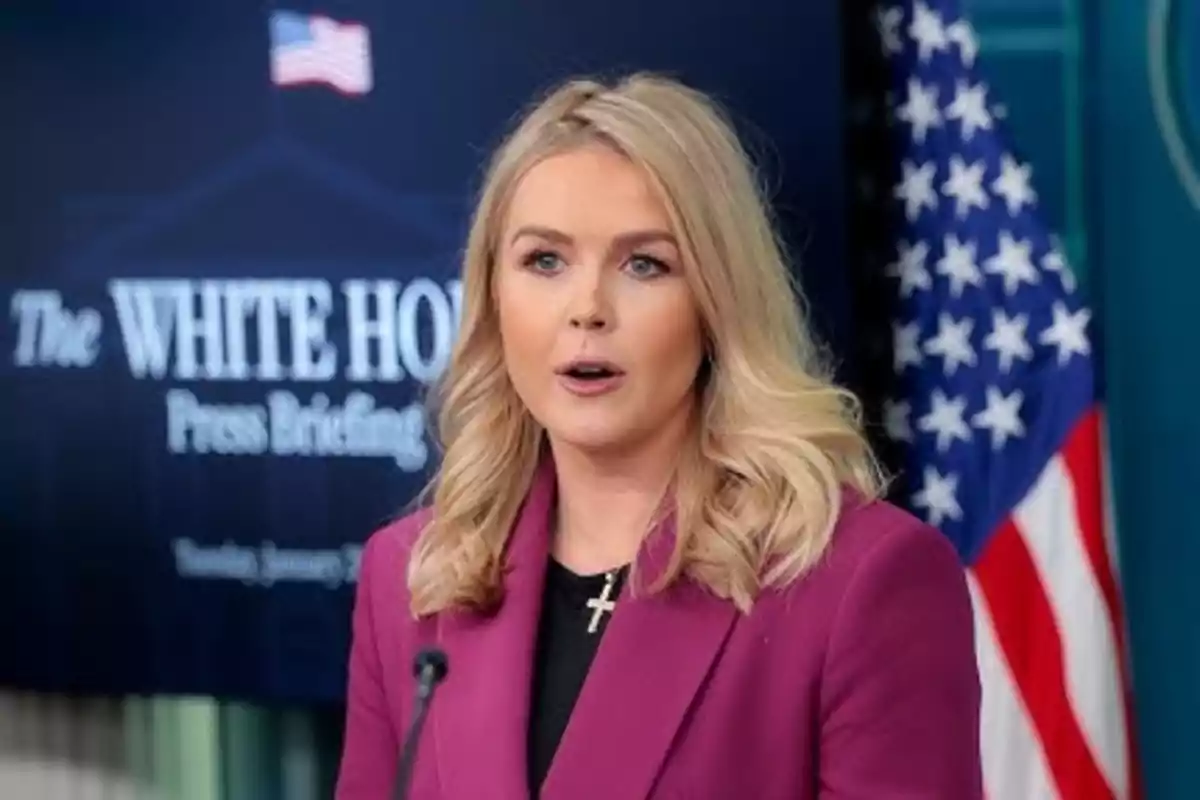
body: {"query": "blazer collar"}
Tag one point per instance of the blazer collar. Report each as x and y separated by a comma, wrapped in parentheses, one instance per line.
(480, 715)
(651, 663)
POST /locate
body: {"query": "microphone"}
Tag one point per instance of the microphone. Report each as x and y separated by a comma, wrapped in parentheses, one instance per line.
(429, 668)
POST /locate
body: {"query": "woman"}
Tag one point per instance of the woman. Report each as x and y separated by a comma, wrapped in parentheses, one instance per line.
(634, 412)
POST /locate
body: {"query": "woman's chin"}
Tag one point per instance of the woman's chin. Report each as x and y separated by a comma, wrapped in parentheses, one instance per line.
(592, 438)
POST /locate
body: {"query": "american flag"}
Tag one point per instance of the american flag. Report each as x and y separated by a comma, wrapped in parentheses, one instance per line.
(311, 49)
(998, 418)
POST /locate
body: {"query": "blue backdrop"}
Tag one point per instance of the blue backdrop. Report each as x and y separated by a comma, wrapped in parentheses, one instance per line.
(224, 299)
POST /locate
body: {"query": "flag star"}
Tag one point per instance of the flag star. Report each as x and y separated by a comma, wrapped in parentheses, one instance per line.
(1007, 338)
(887, 22)
(1013, 184)
(909, 267)
(965, 185)
(1055, 262)
(906, 349)
(969, 107)
(895, 420)
(1012, 263)
(962, 34)
(937, 497)
(926, 28)
(952, 342)
(1067, 332)
(958, 265)
(916, 188)
(945, 420)
(920, 110)
(1001, 416)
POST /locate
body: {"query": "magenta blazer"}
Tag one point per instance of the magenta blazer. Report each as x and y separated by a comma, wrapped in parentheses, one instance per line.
(857, 682)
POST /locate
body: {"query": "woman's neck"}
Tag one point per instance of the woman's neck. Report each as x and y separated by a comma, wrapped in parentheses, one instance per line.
(607, 504)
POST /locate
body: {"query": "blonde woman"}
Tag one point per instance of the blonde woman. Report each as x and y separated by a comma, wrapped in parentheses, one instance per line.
(655, 554)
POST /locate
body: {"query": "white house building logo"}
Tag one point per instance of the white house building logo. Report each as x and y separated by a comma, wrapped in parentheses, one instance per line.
(1173, 50)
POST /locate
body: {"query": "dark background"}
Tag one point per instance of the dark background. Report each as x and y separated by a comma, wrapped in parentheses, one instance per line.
(144, 139)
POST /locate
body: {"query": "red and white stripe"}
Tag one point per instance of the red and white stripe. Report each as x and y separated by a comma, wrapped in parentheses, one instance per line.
(1050, 640)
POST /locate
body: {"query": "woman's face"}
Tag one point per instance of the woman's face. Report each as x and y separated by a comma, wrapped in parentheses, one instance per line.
(601, 335)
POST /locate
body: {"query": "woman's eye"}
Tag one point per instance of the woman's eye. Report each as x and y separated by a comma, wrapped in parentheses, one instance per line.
(542, 261)
(646, 267)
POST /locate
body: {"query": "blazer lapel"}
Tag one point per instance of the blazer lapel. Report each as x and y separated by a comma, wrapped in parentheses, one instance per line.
(651, 663)
(480, 716)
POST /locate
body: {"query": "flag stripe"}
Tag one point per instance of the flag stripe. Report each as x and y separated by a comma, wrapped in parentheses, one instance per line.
(1086, 456)
(1014, 765)
(1108, 521)
(1056, 539)
(341, 73)
(1082, 455)
(1025, 628)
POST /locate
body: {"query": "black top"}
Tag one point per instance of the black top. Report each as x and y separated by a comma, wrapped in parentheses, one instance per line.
(565, 649)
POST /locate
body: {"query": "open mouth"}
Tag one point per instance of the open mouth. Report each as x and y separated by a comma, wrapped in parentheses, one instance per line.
(590, 371)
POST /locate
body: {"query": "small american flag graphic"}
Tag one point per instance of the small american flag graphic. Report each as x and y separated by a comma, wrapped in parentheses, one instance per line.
(314, 50)
(998, 414)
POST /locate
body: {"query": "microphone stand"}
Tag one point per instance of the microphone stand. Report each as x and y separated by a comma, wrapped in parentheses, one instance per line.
(429, 668)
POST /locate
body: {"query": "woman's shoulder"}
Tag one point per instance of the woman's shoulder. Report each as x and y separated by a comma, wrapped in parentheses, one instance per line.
(397, 537)
(877, 547)
(887, 582)
(875, 527)
(384, 561)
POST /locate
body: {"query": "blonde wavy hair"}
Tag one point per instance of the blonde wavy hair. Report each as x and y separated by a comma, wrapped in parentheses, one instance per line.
(760, 488)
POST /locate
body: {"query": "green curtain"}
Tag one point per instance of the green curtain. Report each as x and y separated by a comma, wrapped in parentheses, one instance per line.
(1147, 237)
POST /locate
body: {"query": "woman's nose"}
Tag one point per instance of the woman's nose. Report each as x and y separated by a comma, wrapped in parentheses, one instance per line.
(588, 320)
(589, 310)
